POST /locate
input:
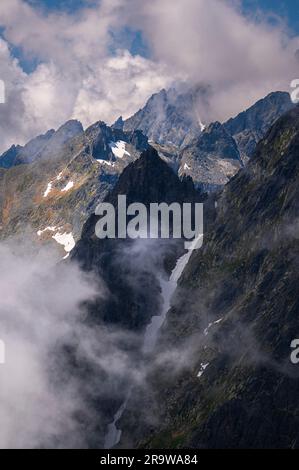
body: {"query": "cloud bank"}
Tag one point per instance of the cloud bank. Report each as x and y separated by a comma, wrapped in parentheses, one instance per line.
(84, 67)
(77, 74)
(64, 376)
(40, 306)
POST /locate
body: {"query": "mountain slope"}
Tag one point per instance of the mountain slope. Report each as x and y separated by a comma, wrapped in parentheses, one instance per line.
(54, 181)
(55, 194)
(131, 272)
(212, 154)
(233, 318)
(147, 180)
(212, 159)
(250, 126)
(51, 144)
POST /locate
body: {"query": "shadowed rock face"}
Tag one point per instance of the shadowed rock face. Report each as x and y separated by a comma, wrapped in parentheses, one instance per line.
(237, 308)
(130, 270)
(250, 126)
(213, 158)
(134, 285)
(8, 158)
(217, 154)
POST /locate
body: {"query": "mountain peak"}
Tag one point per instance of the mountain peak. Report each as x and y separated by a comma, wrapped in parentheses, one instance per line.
(73, 125)
(119, 123)
(240, 294)
(148, 179)
(167, 117)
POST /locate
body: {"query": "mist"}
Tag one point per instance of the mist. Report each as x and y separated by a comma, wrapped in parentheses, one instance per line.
(40, 304)
(64, 374)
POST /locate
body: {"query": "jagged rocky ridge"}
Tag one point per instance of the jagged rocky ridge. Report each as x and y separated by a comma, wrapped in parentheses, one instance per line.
(216, 154)
(44, 146)
(60, 187)
(130, 271)
(250, 126)
(237, 295)
(210, 154)
(233, 318)
(53, 183)
(168, 116)
(147, 180)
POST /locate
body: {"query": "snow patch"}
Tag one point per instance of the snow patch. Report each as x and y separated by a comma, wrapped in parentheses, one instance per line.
(206, 331)
(68, 186)
(187, 167)
(113, 435)
(119, 148)
(201, 124)
(106, 162)
(168, 288)
(65, 239)
(47, 229)
(49, 189)
(202, 369)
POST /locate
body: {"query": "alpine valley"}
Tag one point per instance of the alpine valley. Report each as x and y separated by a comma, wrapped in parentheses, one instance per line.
(198, 341)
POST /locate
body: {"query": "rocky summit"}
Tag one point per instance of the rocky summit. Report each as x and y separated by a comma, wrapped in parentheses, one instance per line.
(211, 153)
(190, 345)
(233, 318)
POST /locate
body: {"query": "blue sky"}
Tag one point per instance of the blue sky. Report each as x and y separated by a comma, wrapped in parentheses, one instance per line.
(61, 4)
(288, 9)
(134, 40)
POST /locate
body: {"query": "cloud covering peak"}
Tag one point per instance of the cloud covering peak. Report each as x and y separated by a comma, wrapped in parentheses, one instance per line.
(85, 69)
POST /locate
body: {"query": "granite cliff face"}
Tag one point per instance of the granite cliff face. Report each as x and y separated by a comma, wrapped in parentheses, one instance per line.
(218, 153)
(233, 318)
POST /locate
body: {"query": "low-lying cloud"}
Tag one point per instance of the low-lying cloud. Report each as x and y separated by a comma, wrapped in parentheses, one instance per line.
(65, 375)
(41, 309)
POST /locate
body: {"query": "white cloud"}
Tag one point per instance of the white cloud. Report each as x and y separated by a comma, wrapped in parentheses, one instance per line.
(40, 308)
(77, 75)
(214, 44)
(209, 43)
(58, 366)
